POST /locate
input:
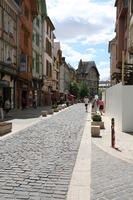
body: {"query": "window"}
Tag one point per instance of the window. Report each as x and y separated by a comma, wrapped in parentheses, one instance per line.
(37, 22)
(37, 63)
(50, 34)
(33, 62)
(47, 66)
(33, 37)
(37, 39)
(26, 12)
(47, 28)
(5, 22)
(48, 48)
(132, 6)
(26, 37)
(48, 69)
(6, 52)
(11, 27)
(11, 55)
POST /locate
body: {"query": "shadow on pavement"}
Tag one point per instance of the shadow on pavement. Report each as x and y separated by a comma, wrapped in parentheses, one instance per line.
(25, 113)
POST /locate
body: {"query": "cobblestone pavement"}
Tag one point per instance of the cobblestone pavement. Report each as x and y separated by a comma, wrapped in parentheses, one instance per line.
(111, 178)
(37, 163)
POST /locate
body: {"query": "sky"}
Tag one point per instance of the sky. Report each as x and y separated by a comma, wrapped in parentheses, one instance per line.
(84, 28)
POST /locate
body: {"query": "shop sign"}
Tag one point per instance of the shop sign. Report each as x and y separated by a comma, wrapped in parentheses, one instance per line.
(4, 83)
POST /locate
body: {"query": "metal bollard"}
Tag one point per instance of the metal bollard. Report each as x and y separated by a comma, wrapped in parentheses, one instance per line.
(113, 133)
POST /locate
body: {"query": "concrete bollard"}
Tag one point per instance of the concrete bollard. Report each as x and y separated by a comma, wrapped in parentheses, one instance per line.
(44, 113)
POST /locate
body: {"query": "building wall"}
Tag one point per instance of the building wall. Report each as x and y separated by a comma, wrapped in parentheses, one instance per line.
(122, 31)
(114, 104)
(119, 106)
(127, 111)
(37, 45)
(57, 63)
(26, 34)
(46, 57)
(62, 78)
(113, 68)
(9, 45)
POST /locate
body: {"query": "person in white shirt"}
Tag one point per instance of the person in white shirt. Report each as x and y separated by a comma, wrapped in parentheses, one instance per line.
(86, 101)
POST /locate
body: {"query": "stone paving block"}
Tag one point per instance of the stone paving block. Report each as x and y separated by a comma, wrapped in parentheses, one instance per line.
(40, 159)
(108, 180)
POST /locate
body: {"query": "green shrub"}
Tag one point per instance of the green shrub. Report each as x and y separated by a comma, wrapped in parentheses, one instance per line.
(54, 106)
(97, 118)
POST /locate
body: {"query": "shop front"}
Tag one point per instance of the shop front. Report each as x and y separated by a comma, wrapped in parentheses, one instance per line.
(46, 96)
(7, 91)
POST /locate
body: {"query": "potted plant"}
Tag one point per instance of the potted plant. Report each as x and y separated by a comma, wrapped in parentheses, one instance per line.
(55, 107)
(97, 121)
(96, 118)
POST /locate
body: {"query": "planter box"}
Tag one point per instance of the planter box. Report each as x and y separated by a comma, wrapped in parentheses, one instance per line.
(5, 127)
(56, 110)
(59, 107)
(93, 110)
(95, 131)
(51, 112)
(101, 124)
(44, 113)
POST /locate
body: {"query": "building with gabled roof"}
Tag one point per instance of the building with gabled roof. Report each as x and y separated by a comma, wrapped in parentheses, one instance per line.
(87, 71)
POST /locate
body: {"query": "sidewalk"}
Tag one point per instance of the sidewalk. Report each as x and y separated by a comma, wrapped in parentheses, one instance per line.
(79, 188)
(124, 142)
(25, 113)
(22, 119)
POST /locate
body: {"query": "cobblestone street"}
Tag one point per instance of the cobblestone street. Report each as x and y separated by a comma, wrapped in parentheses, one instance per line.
(37, 163)
(111, 178)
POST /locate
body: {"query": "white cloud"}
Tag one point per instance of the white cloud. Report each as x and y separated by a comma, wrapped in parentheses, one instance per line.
(86, 19)
(104, 70)
(83, 22)
(73, 56)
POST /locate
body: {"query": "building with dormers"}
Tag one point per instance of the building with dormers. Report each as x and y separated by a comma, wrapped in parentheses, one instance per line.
(87, 71)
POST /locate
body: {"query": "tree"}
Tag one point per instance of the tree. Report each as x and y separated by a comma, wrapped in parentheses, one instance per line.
(100, 91)
(84, 90)
(74, 88)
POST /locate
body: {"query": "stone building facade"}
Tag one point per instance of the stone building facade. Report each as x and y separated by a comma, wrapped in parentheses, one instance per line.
(57, 64)
(9, 47)
(37, 41)
(124, 41)
(48, 60)
(87, 71)
(64, 78)
(72, 73)
(113, 69)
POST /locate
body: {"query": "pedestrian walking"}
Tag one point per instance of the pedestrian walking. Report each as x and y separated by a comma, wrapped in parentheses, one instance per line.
(95, 104)
(1, 109)
(7, 106)
(101, 106)
(86, 101)
(23, 103)
(35, 102)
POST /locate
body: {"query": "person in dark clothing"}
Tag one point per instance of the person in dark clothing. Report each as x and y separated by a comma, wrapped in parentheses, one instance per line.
(1, 108)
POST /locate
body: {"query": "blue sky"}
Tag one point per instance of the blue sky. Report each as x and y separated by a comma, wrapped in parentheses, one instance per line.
(84, 28)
